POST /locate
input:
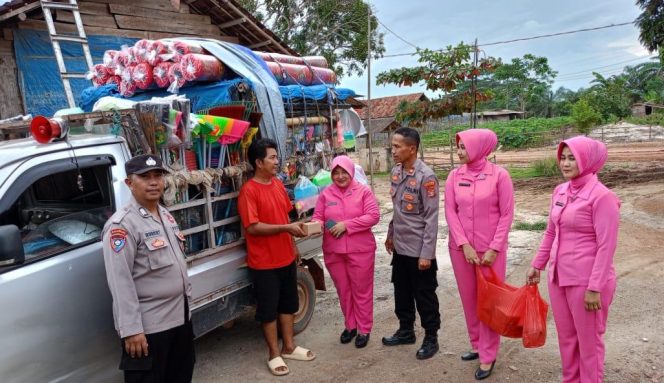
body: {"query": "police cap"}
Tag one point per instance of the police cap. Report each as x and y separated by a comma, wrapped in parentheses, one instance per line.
(143, 164)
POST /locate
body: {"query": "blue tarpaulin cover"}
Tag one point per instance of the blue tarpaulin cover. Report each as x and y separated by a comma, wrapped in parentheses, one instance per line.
(39, 77)
(202, 96)
(313, 92)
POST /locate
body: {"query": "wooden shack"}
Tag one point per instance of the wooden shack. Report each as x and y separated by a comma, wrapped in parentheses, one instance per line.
(139, 19)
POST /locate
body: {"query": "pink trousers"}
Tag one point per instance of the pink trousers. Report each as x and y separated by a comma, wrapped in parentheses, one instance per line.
(482, 338)
(353, 276)
(580, 332)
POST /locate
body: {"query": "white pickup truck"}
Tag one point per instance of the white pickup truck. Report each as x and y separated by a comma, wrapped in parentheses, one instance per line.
(56, 315)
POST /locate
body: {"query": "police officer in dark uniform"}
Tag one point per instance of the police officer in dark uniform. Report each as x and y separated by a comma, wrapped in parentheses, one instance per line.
(411, 240)
(147, 275)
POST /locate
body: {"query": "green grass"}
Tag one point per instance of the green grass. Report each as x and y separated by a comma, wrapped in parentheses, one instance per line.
(513, 134)
(536, 226)
(539, 168)
(522, 173)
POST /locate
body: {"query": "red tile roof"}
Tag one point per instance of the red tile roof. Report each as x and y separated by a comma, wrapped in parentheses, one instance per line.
(387, 106)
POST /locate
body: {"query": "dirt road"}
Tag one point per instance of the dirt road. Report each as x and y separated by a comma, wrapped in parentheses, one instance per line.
(635, 337)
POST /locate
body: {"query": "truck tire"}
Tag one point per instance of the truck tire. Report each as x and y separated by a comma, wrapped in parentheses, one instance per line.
(306, 292)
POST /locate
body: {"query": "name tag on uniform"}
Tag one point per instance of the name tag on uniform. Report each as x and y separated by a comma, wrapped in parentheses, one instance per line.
(150, 234)
(560, 204)
(464, 184)
(331, 204)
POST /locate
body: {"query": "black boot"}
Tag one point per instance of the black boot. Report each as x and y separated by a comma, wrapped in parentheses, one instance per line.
(429, 347)
(361, 340)
(400, 337)
(347, 335)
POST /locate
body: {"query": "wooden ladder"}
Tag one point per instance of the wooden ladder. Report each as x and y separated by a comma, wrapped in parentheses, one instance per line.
(71, 6)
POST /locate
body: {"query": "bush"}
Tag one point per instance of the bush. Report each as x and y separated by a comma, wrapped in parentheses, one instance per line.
(547, 167)
(513, 134)
(585, 117)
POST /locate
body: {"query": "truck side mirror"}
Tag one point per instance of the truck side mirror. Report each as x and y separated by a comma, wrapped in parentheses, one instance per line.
(11, 246)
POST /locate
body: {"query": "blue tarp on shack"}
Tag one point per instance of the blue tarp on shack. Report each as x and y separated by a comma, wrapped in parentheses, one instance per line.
(39, 77)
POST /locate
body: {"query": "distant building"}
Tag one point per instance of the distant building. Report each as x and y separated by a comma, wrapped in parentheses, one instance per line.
(383, 118)
(496, 115)
(645, 108)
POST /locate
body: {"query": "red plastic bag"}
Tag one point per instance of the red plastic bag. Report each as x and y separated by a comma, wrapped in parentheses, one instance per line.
(534, 319)
(500, 305)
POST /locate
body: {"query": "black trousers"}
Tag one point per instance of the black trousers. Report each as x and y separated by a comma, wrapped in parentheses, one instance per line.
(170, 357)
(415, 288)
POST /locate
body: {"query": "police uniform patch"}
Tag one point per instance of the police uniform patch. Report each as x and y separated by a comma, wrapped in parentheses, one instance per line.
(410, 207)
(408, 197)
(431, 188)
(395, 178)
(158, 243)
(180, 235)
(118, 239)
(412, 183)
(170, 218)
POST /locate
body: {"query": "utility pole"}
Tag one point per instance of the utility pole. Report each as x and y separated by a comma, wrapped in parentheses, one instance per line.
(474, 87)
(370, 133)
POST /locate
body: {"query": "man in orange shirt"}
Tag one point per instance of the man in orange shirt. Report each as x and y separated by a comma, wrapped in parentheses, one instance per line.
(264, 206)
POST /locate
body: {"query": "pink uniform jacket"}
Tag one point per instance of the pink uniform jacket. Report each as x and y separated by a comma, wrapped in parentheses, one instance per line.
(581, 236)
(479, 209)
(357, 208)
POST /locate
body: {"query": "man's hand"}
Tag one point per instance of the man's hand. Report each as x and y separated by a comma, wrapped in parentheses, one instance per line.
(136, 345)
(470, 254)
(296, 229)
(423, 264)
(338, 230)
(389, 245)
(592, 301)
(533, 276)
(489, 257)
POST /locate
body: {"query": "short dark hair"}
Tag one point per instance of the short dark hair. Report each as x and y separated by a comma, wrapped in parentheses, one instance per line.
(258, 150)
(411, 135)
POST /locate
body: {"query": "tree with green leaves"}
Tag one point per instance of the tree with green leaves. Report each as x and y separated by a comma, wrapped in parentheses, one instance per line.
(335, 29)
(651, 25)
(443, 72)
(523, 81)
(610, 96)
(585, 116)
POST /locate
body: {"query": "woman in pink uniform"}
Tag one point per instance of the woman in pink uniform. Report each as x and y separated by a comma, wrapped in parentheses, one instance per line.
(347, 210)
(479, 208)
(578, 245)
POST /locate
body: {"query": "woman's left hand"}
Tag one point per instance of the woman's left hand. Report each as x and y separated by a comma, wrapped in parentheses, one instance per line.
(592, 301)
(338, 229)
(489, 257)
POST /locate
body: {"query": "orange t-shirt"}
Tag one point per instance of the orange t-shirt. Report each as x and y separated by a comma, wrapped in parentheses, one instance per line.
(266, 204)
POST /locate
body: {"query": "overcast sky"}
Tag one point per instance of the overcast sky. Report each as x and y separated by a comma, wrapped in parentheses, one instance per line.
(435, 24)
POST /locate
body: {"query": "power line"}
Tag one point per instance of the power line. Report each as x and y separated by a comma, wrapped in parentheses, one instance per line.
(557, 34)
(526, 38)
(397, 36)
(605, 66)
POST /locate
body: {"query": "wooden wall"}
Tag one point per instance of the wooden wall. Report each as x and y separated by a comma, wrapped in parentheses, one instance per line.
(142, 19)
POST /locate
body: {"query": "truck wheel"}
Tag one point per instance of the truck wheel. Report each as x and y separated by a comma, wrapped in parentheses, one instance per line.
(306, 293)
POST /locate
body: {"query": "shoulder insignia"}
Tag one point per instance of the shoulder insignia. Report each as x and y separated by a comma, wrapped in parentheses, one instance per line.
(431, 188)
(118, 239)
(144, 212)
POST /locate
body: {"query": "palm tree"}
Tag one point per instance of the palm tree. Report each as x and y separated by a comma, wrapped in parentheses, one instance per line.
(650, 23)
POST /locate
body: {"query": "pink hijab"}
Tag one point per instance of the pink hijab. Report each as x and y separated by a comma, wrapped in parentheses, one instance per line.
(346, 164)
(479, 144)
(590, 154)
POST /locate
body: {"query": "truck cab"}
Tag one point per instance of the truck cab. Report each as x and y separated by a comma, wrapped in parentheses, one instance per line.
(57, 316)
